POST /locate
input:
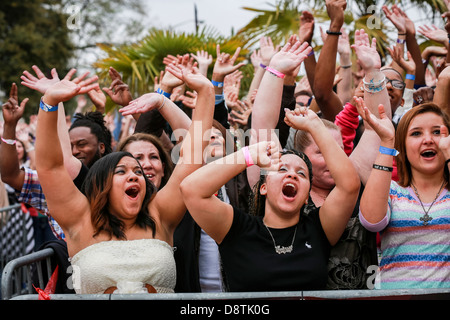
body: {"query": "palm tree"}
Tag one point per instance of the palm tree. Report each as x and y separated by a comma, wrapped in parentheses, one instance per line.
(139, 63)
(283, 19)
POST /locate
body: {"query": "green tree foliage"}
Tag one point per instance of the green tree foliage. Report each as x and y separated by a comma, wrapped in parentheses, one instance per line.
(141, 62)
(31, 32)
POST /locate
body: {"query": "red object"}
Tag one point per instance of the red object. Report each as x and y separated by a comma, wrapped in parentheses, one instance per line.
(49, 288)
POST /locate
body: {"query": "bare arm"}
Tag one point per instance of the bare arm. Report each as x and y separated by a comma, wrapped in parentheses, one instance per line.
(266, 108)
(61, 194)
(366, 151)
(168, 201)
(339, 204)
(328, 101)
(9, 162)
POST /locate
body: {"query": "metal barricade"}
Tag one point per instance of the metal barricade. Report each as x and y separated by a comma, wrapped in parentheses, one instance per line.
(18, 273)
(16, 235)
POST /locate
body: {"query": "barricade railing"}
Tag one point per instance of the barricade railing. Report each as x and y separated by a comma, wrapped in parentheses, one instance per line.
(400, 294)
(17, 275)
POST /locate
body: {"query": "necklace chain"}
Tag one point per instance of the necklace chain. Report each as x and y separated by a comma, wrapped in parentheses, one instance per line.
(426, 218)
(281, 249)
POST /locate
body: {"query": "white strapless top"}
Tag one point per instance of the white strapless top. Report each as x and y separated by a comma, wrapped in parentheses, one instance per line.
(120, 263)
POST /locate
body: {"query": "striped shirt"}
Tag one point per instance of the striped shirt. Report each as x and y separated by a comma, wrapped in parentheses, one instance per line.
(415, 255)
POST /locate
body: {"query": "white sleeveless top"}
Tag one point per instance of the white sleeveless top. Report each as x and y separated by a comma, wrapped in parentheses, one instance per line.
(124, 264)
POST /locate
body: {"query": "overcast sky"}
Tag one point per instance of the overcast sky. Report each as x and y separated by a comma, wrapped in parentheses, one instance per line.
(223, 15)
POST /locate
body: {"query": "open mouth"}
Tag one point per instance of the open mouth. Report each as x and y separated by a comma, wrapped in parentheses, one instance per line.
(428, 154)
(289, 190)
(149, 176)
(132, 192)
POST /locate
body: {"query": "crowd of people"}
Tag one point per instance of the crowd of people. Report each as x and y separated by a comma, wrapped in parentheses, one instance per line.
(298, 185)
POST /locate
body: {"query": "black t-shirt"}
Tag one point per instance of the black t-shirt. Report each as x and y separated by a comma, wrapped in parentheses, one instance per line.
(250, 262)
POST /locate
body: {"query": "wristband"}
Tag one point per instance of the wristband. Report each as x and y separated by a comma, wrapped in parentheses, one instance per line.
(47, 107)
(162, 103)
(410, 77)
(388, 151)
(165, 94)
(346, 67)
(11, 142)
(248, 158)
(383, 168)
(401, 41)
(217, 84)
(277, 73)
(262, 65)
(333, 33)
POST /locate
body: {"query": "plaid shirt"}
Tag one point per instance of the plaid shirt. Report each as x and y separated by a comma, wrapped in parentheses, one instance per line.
(32, 194)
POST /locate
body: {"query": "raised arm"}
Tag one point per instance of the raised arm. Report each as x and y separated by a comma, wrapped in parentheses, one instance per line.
(327, 100)
(211, 214)
(169, 202)
(374, 200)
(62, 195)
(375, 93)
(339, 204)
(266, 109)
(442, 92)
(9, 162)
(41, 83)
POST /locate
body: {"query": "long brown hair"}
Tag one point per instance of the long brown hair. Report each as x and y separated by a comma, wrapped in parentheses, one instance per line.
(96, 187)
(163, 154)
(403, 164)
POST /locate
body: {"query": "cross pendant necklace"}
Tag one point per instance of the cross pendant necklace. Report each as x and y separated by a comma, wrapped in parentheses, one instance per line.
(426, 218)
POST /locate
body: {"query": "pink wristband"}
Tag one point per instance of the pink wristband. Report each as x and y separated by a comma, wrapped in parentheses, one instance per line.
(275, 72)
(248, 157)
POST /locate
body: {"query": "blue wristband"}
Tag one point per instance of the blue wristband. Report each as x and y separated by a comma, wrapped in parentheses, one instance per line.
(47, 107)
(217, 84)
(165, 94)
(388, 151)
(410, 77)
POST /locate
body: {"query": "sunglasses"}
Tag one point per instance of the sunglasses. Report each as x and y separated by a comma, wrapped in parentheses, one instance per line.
(396, 84)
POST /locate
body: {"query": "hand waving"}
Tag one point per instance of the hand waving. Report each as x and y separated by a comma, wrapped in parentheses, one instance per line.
(290, 57)
(366, 52)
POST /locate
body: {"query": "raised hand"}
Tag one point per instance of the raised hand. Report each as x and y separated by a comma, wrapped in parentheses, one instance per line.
(396, 17)
(290, 57)
(169, 80)
(66, 89)
(397, 55)
(267, 50)
(444, 142)
(225, 63)
(335, 10)
(382, 126)
(366, 52)
(434, 33)
(41, 83)
(306, 30)
(204, 59)
(143, 104)
(118, 91)
(267, 155)
(190, 75)
(12, 110)
(301, 118)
